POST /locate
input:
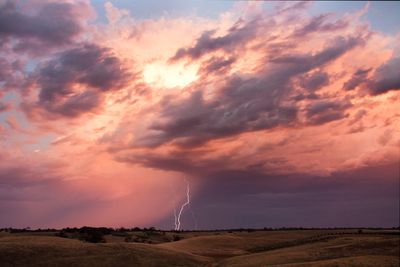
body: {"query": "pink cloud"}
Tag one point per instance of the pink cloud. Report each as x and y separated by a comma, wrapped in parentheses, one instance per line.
(110, 116)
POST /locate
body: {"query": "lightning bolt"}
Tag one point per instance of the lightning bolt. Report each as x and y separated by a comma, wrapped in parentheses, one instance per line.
(187, 202)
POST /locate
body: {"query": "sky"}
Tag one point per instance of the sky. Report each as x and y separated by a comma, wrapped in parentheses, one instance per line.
(271, 114)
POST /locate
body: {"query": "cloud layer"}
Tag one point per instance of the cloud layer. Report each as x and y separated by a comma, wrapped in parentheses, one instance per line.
(101, 121)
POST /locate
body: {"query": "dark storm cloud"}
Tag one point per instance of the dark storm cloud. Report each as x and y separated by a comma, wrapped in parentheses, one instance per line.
(386, 78)
(195, 164)
(77, 104)
(358, 78)
(305, 62)
(22, 176)
(90, 66)
(363, 197)
(183, 160)
(314, 81)
(237, 36)
(311, 96)
(175, 161)
(244, 104)
(193, 121)
(216, 64)
(325, 111)
(320, 24)
(54, 24)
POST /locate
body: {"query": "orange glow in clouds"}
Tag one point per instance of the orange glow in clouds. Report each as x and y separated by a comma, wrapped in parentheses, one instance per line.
(159, 74)
(254, 91)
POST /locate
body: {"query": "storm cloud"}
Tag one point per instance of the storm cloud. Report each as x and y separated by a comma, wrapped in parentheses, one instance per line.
(277, 114)
(95, 69)
(246, 104)
(52, 24)
(237, 36)
(386, 77)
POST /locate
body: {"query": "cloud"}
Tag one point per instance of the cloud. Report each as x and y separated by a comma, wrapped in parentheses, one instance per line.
(53, 24)
(194, 120)
(232, 199)
(322, 112)
(286, 7)
(217, 65)
(319, 24)
(73, 81)
(178, 161)
(358, 116)
(314, 81)
(47, 190)
(6, 69)
(19, 177)
(359, 77)
(238, 35)
(4, 107)
(385, 137)
(11, 73)
(114, 14)
(305, 62)
(264, 110)
(386, 77)
(77, 104)
(245, 104)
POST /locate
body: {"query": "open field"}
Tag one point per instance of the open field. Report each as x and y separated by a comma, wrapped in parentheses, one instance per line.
(208, 249)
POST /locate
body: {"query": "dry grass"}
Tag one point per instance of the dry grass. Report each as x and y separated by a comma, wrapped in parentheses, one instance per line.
(55, 251)
(232, 244)
(339, 251)
(273, 248)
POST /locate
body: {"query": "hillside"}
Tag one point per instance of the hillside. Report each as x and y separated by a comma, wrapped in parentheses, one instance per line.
(208, 249)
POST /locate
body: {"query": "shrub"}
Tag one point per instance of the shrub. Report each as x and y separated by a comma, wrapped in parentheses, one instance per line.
(176, 237)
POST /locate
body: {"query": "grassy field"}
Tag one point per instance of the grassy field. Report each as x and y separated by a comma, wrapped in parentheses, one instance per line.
(208, 249)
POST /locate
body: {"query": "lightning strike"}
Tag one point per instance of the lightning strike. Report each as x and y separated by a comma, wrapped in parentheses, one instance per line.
(178, 216)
